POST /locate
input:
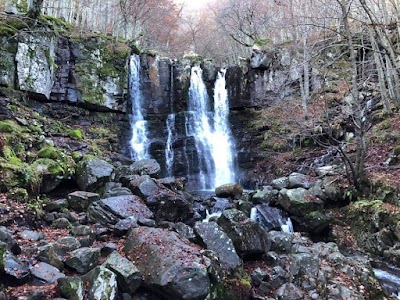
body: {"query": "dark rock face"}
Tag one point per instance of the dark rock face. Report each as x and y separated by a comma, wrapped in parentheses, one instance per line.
(83, 259)
(172, 261)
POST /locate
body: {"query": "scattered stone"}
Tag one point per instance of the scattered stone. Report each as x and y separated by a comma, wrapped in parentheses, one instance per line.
(7, 238)
(289, 291)
(146, 167)
(249, 238)
(56, 205)
(81, 200)
(184, 231)
(46, 272)
(264, 195)
(66, 244)
(48, 254)
(281, 241)
(83, 259)
(146, 222)
(111, 210)
(102, 284)
(123, 226)
(169, 265)
(280, 183)
(15, 270)
(230, 190)
(93, 173)
(216, 240)
(30, 235)
(128, 275)
(299, 201)
(107, 249)
(297, 180)
(61, 223)
(71, 288)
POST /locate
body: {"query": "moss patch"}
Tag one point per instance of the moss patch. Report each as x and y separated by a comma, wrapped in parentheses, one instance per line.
(75, 134)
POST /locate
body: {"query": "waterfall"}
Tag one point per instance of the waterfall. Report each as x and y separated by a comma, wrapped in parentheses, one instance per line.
(139, 138)
(169, 152)
(223, 147)
(210, 131)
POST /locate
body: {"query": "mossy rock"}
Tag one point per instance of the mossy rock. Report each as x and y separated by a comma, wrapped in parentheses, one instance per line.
(9, 126)
(14, 174)
(18, 194)
(75, 134)
(49, 152)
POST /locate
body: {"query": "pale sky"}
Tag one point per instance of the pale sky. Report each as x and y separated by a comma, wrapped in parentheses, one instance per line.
(194, 4)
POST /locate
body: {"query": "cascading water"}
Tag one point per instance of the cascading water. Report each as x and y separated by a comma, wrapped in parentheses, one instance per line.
(169, 152)
(210, 131)
(223, 146)
(139, 138)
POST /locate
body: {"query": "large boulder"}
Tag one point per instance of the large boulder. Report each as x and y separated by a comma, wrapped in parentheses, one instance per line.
(299, 202)
(109, 211)
(84, 259)
(81, 200)
(216, 240)
(146, 167)
(229, 190)
(93, 173)
(170, 266)
(166, 204)
(249, 237)
(71, 288)
(102, 284)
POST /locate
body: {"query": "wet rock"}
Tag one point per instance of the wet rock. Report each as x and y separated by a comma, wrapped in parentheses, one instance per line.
(46, 272)
(15, 271)
(83, 259)
(7, 238)
(216, 240)
(249, 238)
(172, 261)
(289, 291)
(128, 275)
(143, 186)
(71, 288)
(229, 190)
(80, 200)
(299, 202)
(271, 218)
(122, 227)
(111, 210)
(93, 173)
(102, 284)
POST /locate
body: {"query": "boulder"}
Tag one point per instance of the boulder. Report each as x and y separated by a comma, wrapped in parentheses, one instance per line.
(280, 183)
(66, 244)
(264, 195)
(102, 284)
(46, 272)
(271, 218)
(80, 200)
(304, 264)
(289, 291)
(48, 254)
(146, 167)
(281, 242)
(71, 288)
(177, 269)
(7, 238)
(128, 275)
(216, 240)
(84, 259)
(14, 270)
(297, 180)
(229, 190)
(143, 186)
(110, 211)
(249, 238)
(299, 202)
(93, 173)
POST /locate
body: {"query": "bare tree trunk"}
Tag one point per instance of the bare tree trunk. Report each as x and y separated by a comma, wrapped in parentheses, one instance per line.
(379, 69)
(34, 11)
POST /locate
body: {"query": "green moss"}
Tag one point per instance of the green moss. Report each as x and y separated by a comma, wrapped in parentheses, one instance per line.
(49, 152)
(9, 126)
(56, 24)
(18, 194)
(75, 134)
(47, 166)
(396, 151)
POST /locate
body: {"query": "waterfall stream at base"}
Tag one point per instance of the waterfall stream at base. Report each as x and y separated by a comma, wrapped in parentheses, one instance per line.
(139, 140)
